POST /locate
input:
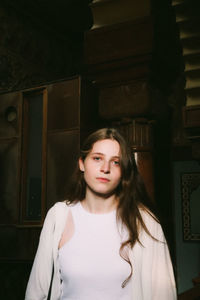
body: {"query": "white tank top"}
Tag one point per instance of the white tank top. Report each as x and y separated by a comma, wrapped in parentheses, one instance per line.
(90, 265)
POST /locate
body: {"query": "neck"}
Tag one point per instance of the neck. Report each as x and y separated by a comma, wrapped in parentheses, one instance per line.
(95, 203)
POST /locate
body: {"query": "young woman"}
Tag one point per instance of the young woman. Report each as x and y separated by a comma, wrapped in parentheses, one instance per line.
(104, 242)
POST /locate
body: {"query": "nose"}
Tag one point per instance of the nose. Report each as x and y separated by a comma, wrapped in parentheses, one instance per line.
(105, 167)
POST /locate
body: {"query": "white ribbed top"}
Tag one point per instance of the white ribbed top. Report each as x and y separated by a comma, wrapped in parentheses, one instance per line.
(90, 265)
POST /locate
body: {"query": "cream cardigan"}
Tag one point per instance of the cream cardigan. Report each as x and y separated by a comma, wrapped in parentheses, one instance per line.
(152, 278)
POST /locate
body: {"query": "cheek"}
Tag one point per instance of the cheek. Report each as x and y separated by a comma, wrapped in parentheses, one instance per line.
(89, 171)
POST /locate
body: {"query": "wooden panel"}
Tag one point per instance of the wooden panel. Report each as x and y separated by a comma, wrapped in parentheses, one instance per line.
(120, 72)
(14, 240)
(145, 166)
(33, 183)
(122, 101)
(63, 104)
(89, 118)
(114, 12)
(9, 181)
(191, 116)
(10, 114)
(63, 151)
(139, 134)
(14, 276)
(119, 41)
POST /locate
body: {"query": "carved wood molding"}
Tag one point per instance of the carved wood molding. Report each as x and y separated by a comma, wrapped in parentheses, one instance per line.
(138, 132)
(191, 122)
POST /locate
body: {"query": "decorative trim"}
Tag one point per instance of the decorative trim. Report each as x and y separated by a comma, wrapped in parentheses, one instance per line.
(189, 183)
(138, 132)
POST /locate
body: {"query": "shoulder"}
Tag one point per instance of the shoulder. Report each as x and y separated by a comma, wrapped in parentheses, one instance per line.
(152, 224)
(55, 218)
(57, 211)
(60, 205)
(59, 208)
(148, 217)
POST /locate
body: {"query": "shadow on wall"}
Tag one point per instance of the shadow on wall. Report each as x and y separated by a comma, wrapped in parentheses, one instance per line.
(14, 277)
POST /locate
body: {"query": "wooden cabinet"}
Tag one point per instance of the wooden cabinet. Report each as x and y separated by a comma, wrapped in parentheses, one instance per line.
(72, 114)
(40, 134)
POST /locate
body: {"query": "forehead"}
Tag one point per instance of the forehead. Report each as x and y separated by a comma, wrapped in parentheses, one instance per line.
(106, 147)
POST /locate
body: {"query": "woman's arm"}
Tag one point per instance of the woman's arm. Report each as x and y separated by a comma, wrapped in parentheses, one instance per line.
(163, 282)
(153, 277)
(157, 258)
(40, 277)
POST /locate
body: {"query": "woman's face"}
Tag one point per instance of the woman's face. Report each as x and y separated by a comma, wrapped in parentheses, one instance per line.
(101, 167)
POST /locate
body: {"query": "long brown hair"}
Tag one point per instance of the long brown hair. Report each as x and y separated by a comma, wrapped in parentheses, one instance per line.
(131, 191)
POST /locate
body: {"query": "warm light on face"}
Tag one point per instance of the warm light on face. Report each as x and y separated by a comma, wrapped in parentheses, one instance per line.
(101, 167)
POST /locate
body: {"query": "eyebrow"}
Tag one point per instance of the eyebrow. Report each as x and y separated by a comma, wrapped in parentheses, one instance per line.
(99, 153)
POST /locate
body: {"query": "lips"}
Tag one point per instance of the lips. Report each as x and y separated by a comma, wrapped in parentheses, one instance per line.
(102, 179)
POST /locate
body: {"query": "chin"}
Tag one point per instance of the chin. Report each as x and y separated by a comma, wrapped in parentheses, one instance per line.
(104, 194)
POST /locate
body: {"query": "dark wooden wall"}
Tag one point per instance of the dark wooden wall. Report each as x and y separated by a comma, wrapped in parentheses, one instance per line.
(132, 67)
(41, 41)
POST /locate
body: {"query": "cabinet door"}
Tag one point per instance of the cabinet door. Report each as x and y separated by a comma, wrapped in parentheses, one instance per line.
(36, 162)
(63, 151)
(63, 138)
(33, 162)
(40, 132)
(72, 114)
(64, 105)
(10, 151)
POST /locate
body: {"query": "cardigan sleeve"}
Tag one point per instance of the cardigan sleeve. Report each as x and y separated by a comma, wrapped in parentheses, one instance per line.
(157, 256)
(163, 282)
(40, 277)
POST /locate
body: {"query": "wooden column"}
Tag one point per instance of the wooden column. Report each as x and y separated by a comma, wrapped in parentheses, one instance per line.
(139, 134)
(117, 59)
